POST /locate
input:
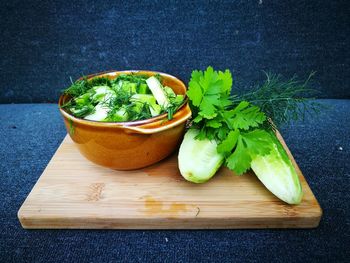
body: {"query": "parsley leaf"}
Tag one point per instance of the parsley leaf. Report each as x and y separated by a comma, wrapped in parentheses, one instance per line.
(258, 142)
(227, 80)
(207, 107)
(229, 143)
(239, 160)
(244, 116)
(235, 127)
(195, 93)
(249, 144)
(209, 96)
(214, 123)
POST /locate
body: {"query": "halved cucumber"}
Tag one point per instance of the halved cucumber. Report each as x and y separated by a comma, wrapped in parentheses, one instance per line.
(198, 159)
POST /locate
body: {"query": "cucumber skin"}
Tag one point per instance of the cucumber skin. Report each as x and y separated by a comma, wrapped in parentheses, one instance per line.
(143, 89)
(194, 165)
(278, 174)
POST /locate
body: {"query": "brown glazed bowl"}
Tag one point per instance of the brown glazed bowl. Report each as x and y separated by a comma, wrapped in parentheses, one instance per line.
(129, 145)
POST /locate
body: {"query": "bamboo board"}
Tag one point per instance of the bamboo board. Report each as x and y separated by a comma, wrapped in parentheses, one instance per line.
(74, 193)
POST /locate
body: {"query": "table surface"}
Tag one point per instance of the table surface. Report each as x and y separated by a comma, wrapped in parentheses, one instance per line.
(31, 134)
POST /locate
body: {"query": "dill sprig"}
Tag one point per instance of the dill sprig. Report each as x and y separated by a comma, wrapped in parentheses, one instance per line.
(172, 109)
(81, 86)
(283, 100)
(77, 88)
(135, 110)
(131, 77)
(142, 114)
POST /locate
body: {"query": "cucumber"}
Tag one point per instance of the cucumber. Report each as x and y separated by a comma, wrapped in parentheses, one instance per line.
(158, 91)
(169, 92)
(177, 100)
(278, 174)
(126, 86)
(83, 99)
(131, 87)
(99, 114)
(102, 93)
(155, 109)
(82, 110)
(143, 89)
(198, 159)
(119, 115)
(141, 99)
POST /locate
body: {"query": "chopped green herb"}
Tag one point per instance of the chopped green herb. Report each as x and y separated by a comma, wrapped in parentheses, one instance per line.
(128, 97)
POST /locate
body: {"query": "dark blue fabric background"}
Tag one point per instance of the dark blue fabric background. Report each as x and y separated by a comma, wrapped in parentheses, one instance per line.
(43, 43)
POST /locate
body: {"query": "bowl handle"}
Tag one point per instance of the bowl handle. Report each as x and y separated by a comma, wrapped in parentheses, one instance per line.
(163, 124)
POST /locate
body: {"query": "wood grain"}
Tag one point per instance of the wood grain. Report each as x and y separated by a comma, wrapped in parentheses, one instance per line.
(74, 193)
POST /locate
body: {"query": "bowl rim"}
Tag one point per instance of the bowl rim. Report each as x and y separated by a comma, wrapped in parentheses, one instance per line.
(126, 123)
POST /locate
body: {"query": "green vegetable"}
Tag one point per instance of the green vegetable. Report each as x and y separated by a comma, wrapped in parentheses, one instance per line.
(143, 98)
(140, 99)
(118, 115)
(198, 159)
(241, 130)
(282, 100)
(155, 109)
(158, 91)
(128, 86)
(101, 93)
(169, 92)
(82, 110)
(177, 100)
(143, 89)
(83, 99)
(278, 174)
(100, 113)
(125, 98)
(83, 85)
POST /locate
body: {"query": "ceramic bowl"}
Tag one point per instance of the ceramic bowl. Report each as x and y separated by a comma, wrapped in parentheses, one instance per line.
(129, 145)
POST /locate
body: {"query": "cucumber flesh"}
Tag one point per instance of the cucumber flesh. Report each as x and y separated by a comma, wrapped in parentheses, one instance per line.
(83, 99)
(143, 89)
(169, 92)
(198, 159)
(99, 114)
(119, 115)
(102, 93)
(158, 91)
(143, 98)
(155, 109)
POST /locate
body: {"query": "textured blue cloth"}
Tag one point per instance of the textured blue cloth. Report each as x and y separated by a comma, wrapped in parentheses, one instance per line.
(43, 43)
(30, 134)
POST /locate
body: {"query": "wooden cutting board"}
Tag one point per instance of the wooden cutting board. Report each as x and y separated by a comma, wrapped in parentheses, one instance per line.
(74, 193)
